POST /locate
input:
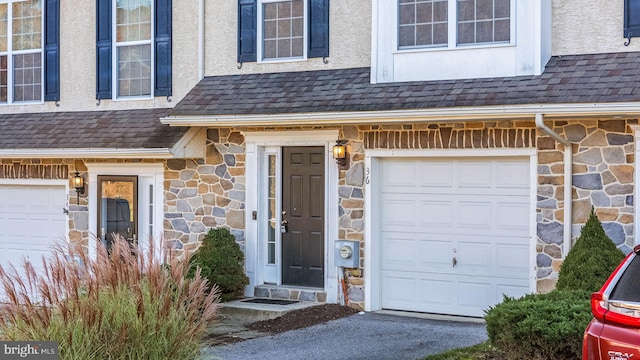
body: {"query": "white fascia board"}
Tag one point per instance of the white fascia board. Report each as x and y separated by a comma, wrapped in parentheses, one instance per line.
(415, 115)
(93, 153)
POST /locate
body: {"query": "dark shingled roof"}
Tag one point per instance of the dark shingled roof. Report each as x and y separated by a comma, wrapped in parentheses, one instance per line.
(88, 129)
(601, 78)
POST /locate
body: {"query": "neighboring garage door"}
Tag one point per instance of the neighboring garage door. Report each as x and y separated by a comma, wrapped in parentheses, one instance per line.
(31, 221)
(454, 233)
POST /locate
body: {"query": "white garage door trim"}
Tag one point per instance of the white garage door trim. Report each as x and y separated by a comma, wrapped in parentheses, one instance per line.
(372, 243)
(61, 185)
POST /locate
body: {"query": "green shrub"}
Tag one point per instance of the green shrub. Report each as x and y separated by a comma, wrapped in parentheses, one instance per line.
(120, 305)
(221, 261)
(540, 326)
(591, 260)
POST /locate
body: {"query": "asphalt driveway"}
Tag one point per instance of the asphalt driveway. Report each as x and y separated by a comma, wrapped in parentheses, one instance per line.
(361, 336)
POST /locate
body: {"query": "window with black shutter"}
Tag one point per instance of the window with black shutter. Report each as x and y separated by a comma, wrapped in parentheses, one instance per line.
(133, 60)
(273, 30)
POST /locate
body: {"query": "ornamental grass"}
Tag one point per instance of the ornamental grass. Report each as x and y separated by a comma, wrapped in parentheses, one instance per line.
(122, 304)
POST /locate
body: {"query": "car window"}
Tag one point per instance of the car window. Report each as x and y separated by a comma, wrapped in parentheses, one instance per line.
(628, 287)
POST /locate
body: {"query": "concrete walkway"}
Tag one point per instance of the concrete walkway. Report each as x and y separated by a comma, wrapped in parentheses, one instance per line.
(376, 335)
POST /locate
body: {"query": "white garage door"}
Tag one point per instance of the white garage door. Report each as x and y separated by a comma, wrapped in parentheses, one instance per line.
(31, 221)
(454, 233)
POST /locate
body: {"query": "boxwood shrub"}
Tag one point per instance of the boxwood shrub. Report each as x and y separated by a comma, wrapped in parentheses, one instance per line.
(222, 263)
(540, 326)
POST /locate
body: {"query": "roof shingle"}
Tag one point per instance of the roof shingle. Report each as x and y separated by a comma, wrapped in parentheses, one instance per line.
(596, 78)
(131, 129)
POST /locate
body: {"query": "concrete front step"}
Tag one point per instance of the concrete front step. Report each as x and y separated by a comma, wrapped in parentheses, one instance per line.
(242, 312)
(291, 293)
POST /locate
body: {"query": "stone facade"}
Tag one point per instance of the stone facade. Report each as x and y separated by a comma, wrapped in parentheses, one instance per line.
(202, 194)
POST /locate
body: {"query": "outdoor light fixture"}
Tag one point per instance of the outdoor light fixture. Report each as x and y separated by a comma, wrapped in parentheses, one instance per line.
(340, 153)
(78, 184)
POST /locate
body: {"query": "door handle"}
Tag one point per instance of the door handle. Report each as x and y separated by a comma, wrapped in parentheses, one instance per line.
(283, 226)
(454, 261)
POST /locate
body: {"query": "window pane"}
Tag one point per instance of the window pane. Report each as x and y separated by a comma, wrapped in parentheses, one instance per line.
(484, 31)
(133, 20)
(484, 9)
(502, 30)
(502, 8)
(422, 23)
(406, 36)
(3, 79)
(134, 70)
(283, 29)
(27, 25)
(27, 77)
(4, 26)
(483, 21)
(424, 35)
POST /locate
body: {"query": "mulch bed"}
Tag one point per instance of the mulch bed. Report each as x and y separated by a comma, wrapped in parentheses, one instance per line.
(302, 318)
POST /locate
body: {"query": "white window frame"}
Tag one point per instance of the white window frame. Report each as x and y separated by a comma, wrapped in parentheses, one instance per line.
(452, 32)
(114, 54)
(260, 31)
(10, 53)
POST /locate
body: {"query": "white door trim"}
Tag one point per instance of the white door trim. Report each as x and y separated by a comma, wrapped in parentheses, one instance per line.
(254, 141)
(372, 258)
(148, 174)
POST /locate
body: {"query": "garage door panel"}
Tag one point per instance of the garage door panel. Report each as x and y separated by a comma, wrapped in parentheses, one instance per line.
(401, 289)
(435, 255)
(400, 253)
(509, 260)
(474, 210)
(400, 174)
(399, 212)
(436, 174)
(474, 174)
(475, 215)
(438, 213)
(513, 216)
(512, 175)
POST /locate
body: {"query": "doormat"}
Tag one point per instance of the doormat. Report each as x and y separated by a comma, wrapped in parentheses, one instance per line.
(270, 301)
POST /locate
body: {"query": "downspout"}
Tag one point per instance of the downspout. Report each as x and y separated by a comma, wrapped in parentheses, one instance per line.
(200, 40)
(568, 181)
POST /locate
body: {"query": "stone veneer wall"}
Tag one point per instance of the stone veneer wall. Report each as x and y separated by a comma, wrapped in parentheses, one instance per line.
(603, 171)
(206, 193)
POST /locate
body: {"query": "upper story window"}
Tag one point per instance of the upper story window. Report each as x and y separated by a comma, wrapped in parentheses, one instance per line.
(271, 30)
(427, 23)
(282, 23)
(133, 57)
(21, 70)
(134, 36)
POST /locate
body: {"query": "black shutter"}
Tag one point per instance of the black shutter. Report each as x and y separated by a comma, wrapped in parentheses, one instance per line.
(318, 28)
(162, 55)
(247, 30)
(103, 49)
(631, 18)
(52, 51)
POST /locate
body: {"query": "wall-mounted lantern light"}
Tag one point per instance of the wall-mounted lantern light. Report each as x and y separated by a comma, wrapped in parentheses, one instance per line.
(78, 184)
(340, 153)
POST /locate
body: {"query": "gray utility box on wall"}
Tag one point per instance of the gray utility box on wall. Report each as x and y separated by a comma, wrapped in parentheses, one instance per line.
(347, 254)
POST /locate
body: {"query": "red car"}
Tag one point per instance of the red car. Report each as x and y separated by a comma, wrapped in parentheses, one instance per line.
(614, 333)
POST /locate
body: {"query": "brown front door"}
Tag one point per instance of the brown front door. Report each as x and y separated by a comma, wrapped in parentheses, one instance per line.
(303, 216)
(117, 208)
